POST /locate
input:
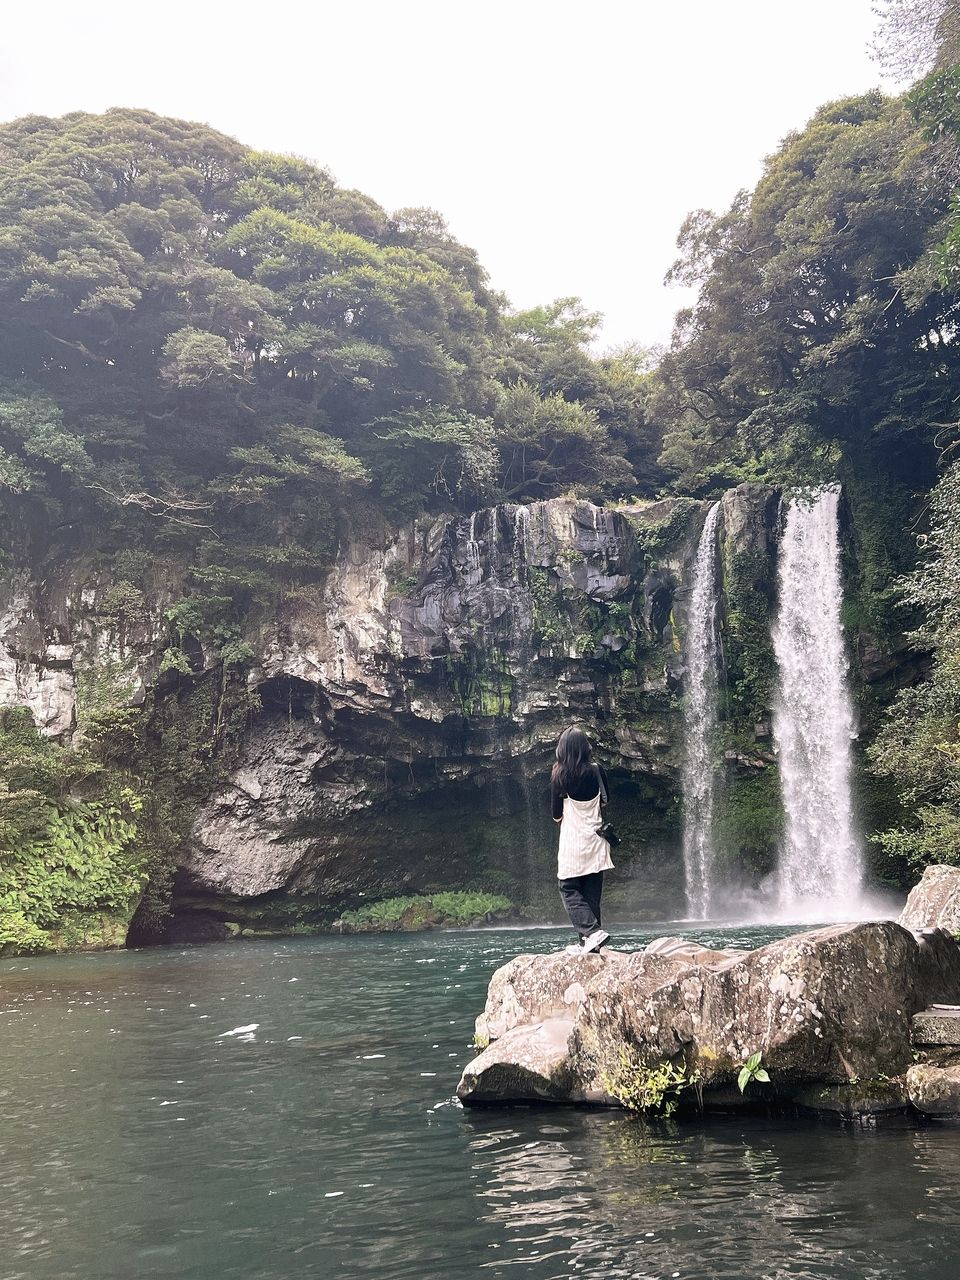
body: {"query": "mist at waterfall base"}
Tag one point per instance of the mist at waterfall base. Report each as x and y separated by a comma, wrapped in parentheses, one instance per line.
(820, 876)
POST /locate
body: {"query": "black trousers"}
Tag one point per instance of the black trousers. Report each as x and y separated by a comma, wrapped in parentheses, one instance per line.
(581, 897)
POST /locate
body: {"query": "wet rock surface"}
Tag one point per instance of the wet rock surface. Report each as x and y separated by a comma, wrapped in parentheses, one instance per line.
(409, 703)
(831, 1007)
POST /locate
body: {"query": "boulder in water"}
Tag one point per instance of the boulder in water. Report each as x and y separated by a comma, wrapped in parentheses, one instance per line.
(827, 1007)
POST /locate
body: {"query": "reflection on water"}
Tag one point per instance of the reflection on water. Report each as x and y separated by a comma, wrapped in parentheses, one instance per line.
(617, 1197)
(267, 1110)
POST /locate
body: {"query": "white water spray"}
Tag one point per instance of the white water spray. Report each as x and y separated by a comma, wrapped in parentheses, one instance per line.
(821, 863)
(700, 724)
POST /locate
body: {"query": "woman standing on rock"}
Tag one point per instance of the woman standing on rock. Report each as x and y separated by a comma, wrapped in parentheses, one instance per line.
(579, 788)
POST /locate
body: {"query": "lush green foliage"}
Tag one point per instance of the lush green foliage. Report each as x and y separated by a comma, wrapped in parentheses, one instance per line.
(822, 345)
(823, 329)
(749, 821)
(919, 743)
(68, 839)
(918, 746)
(422, 910)
(217, 351)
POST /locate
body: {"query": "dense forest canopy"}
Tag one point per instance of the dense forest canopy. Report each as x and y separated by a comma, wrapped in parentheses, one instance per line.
(220, 358)
(227, 342)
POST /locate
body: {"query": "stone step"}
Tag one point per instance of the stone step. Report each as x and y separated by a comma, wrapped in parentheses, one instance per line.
(938, 1024)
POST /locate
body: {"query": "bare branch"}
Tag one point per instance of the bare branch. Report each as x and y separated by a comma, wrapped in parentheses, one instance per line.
(174, 507)
(78, 346)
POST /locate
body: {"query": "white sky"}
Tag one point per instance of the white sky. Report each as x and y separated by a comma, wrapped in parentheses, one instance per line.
(564, 141)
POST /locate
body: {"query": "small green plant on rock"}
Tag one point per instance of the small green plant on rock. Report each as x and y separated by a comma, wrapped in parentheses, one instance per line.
(752, 1070)
(655, 1090)
(400, 581)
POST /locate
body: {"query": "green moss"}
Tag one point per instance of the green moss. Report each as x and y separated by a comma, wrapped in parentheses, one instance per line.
(749, 822)
(747, 647)
(187, 744)
(656, 539)
(101, 687)
(552, 627)
(123, 603)
(482, 683)
(400, 582)
(570, 556)
(882, 506)
(81, 931)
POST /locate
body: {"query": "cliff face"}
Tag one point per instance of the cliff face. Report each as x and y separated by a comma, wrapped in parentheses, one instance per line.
(401, 718)
(410, 711)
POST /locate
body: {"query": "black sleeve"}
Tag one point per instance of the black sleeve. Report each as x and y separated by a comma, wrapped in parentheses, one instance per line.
(604, 784)
(556, 799)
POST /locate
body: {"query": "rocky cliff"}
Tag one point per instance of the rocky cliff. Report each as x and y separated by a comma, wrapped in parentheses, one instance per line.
(411, 708)
(399, 719)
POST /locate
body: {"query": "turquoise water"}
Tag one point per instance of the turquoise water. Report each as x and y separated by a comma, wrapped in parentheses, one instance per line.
(286, 1109)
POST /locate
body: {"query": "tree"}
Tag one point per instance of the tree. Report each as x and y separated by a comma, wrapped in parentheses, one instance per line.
(915, 36)
(919, 743)
(821, 330)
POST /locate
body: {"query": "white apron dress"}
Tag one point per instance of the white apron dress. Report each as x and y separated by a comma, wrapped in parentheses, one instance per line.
(582, 851)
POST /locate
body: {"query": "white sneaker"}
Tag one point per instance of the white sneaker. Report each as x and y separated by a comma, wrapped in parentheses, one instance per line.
(595, 941)
(575, 949)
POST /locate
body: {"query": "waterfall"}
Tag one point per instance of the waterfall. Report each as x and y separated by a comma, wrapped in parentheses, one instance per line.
(700, 724)
(474, 558)
(821, 862)
(521, 523)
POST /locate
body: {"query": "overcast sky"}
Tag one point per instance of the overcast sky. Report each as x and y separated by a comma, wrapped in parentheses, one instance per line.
(564, 141)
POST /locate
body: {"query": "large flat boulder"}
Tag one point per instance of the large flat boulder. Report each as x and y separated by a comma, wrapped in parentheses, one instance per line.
(825, 1007)
(934, 903)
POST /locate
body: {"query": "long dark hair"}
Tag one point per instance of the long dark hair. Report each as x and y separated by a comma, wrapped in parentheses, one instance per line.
(573, 759)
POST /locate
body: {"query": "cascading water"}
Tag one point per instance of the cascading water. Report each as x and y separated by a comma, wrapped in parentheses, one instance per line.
(474, 560)
(700, 724)
(821, 864)
(521, 524)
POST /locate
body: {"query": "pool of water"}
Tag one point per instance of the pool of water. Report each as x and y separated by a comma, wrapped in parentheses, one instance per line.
(280, 1109)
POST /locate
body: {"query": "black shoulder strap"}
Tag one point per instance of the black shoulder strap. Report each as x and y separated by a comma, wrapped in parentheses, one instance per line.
(603, 789)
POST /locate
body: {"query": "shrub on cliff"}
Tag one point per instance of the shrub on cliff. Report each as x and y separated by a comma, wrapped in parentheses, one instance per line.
(68, 853)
